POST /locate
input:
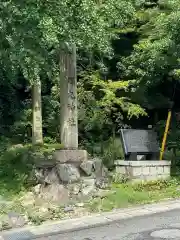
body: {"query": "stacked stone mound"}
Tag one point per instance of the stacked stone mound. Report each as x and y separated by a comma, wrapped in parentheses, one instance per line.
(70, 175)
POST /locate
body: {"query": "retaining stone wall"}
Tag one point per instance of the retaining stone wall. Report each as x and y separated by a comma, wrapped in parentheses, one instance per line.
(143, 170)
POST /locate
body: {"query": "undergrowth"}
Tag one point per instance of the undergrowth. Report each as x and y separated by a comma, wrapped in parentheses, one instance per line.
(127, 194)
(16, 164)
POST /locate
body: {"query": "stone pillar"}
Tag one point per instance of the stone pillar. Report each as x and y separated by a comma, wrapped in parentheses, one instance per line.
(37, 135)
(68, 98)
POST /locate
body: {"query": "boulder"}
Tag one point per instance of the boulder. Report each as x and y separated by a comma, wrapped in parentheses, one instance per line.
(99, 168)
(15, 220)
(37, 189)
(68, 209)
(74, 188)
(55, 192)
(38, 174)
(88, 187)
(50, 176)
(45, 174)
(87, 167)
(5, 223)
(102, 183)
(44, 163)
(68, 173)
(70, 156)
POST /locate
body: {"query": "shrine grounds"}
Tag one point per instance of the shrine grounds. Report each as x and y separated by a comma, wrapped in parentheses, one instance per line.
(18, 202)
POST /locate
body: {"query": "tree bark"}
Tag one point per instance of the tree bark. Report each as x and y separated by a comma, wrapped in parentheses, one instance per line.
(37, 136)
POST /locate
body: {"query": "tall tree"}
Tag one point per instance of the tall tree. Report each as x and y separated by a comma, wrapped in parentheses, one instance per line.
(32, 33)
(155, 59)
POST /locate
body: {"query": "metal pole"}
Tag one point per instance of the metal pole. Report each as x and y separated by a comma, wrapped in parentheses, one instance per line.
(165, 134)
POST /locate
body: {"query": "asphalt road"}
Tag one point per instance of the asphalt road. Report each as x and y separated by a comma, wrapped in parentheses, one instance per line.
(153, 227)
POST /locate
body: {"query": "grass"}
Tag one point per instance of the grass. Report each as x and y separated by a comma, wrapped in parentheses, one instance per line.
(118, 196)
(15, 168)
(125, 195)
(16, 163)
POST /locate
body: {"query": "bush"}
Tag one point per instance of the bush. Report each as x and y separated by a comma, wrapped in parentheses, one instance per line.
(112, 150)
(155, 185)
(118, 178)
(16, 164)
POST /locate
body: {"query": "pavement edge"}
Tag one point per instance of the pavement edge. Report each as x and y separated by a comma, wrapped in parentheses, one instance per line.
(91, 221)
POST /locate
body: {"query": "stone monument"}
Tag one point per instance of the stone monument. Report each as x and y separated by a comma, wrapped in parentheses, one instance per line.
(140, 144)
(68, 111)
(69, 175)
(141, 153)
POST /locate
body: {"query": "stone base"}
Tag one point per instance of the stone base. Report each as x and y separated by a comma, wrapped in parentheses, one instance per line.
(70, 176)
(143, 170)
(70, 156)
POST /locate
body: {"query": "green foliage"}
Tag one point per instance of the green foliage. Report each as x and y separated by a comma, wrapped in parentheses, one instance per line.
(173, 139)
(119, 178)
(34, 32)
(15, 167)
(110, 98)
(101, 110)
(34, 35)
(111, 151)
(126, 50)
(156, 185)
(93, 119)
(100, 103)
(16, 163)
(124, 195)
(155, 58)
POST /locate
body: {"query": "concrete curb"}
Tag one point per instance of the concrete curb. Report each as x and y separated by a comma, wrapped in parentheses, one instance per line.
(85, 222)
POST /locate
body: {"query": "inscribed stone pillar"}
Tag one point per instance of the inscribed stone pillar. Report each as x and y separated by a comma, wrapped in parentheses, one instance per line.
(37, 135)
(68, 98)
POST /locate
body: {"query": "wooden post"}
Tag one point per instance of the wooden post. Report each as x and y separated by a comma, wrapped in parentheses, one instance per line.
(68, 98)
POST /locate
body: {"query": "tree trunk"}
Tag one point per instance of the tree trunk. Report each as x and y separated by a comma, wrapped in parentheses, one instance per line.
(37, 136)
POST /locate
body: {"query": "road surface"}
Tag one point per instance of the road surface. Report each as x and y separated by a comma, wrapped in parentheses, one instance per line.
(153, 227)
